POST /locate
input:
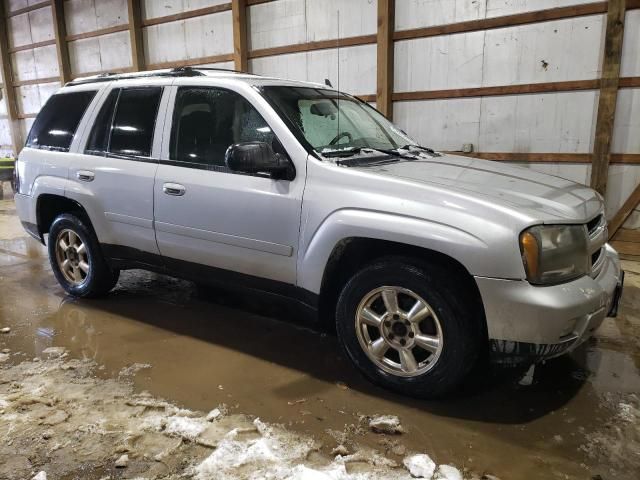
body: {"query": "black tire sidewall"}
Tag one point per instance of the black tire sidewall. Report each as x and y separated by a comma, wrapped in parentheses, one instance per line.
(461, 339)
(100, 278)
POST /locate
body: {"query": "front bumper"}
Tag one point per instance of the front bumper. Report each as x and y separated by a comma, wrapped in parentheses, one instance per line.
(534, 322)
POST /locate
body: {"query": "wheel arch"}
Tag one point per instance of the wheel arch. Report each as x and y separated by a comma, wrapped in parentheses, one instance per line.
(49, 206)
(352, 253)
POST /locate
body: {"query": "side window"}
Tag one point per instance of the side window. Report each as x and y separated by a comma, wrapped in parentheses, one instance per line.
(57, 122)
(125, 124)
(98, 143)
(206, 121)
(134, 121)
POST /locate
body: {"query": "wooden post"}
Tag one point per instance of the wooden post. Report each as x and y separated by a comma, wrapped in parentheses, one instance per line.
(135, 35)
(384, 90)
(60, 31)
(608, 95)
(7, 79)
(239, 14)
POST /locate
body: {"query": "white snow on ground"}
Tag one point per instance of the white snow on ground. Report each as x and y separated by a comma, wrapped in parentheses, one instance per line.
(185, 427)
(59, 417)
(420, 466)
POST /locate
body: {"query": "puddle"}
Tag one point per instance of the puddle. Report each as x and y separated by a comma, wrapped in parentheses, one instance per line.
(261, 359)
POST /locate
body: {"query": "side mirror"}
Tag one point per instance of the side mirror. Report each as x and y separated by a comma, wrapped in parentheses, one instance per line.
(258, 157)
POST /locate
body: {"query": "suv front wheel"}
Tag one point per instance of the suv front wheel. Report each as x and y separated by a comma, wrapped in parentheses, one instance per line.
(408, 327)
(77, 260)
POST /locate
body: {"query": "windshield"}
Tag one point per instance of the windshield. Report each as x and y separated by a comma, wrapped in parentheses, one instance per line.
(330, 121)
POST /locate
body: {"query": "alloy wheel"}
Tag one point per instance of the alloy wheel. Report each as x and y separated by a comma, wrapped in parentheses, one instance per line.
(71, 256)
(399, 331)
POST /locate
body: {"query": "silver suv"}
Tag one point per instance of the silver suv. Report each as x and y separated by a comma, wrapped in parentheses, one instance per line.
(427, 263)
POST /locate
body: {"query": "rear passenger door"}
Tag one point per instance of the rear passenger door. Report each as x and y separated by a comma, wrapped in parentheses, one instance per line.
(114, 173)
(206, 214)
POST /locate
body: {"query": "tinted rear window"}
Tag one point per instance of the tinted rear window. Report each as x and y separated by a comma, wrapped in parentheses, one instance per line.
(98, 143)
(57, 122)
(134, 121)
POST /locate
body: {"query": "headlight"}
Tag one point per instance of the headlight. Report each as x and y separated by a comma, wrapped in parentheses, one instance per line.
(554, 253)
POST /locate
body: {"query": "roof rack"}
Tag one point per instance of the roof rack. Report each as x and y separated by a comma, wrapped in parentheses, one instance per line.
(186, 71)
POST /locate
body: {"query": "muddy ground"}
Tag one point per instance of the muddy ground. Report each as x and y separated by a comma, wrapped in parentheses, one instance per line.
(137, 373)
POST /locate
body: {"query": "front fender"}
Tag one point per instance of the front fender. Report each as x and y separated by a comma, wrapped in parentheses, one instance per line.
(469, 250)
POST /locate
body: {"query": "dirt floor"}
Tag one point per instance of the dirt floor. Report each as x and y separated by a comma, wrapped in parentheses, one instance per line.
(162, 381)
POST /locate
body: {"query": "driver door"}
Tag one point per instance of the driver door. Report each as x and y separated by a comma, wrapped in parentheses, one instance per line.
(207, 215)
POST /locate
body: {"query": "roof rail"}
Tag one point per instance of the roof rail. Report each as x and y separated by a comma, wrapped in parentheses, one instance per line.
(186, 71)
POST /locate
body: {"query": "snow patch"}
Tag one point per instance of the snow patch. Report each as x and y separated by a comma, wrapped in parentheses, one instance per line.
(385, 424)
(448, 472)
(184, 427)
(420, 465)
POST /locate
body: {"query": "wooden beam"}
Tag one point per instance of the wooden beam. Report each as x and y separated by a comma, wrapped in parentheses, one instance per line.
(99, 72)
(30, 8)
(199, 12)
(504, 21)
(312, 46)
(550, 157)
(97, 33)
(31, 46)
(225, 57)
(60, 32)
(384, 89)
(629, 82)
(9, 92)
(240, 46)
(36, 81)
(135, 35)
(629, 205)
(608, 95)
(526, 88)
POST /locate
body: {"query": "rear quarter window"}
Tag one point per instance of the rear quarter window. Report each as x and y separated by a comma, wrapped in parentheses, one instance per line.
(57, 122)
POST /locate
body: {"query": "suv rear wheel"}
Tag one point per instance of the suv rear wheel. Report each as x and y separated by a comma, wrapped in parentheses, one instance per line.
(407, 327)
(77, 260)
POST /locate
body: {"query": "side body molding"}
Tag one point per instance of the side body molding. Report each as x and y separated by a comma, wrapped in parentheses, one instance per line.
(350, 223)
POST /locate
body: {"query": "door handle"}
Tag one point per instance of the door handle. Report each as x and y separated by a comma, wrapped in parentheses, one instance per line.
(174, 189)
(85, 175)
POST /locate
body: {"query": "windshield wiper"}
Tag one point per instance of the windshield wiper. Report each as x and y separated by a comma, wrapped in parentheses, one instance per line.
(345, 152)
(351, 151)
(409, 146)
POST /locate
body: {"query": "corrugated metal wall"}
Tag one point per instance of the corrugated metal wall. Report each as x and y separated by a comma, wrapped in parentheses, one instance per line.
(569, 49)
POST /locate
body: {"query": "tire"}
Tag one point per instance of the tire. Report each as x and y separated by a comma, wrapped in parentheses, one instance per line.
(87, 274)
(450, 317)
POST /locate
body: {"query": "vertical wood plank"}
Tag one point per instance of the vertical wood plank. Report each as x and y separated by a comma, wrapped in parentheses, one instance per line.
(8, 91)
(384, 89)
(135, 35)
(239, 14)
(608, 95)
(60, 31)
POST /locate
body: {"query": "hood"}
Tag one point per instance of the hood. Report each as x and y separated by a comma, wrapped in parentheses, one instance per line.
(544, 197)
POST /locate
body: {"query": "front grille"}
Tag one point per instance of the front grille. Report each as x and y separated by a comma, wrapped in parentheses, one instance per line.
(597, 228)
(594, 224)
